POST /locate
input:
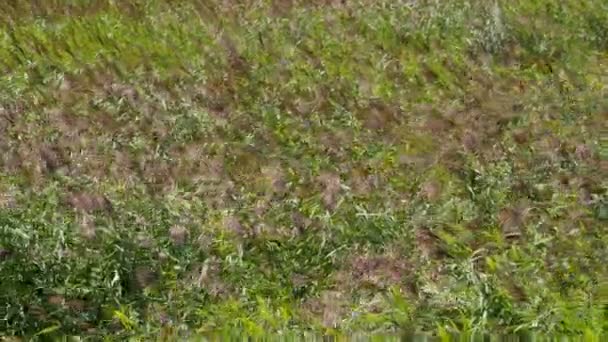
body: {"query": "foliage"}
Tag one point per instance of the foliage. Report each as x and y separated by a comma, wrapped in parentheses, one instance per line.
(175, 168)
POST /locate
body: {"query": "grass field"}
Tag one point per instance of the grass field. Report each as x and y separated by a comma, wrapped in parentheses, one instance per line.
(179, 167)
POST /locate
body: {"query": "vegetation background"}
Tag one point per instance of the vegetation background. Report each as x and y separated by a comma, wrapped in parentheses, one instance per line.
(180, 167)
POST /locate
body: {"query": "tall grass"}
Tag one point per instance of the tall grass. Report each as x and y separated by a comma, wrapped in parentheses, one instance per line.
(281, 166)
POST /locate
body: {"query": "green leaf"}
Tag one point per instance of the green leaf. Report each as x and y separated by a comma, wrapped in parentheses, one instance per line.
(48, 330)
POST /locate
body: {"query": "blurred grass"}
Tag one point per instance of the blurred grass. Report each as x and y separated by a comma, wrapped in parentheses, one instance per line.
(270, 166)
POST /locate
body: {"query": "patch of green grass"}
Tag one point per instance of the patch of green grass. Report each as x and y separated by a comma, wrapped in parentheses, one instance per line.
(273, 167)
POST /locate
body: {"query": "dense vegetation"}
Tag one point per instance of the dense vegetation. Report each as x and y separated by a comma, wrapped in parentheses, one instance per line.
(268, 166)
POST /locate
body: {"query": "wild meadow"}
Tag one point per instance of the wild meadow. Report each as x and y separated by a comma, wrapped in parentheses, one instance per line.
(174, 168)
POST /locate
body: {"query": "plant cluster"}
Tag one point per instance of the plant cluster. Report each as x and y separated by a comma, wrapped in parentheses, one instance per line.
(273, 166)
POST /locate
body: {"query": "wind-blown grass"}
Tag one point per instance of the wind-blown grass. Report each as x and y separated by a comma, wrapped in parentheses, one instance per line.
(272, 166)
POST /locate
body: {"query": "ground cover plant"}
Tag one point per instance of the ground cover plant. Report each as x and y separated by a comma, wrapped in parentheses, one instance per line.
(180, 167)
